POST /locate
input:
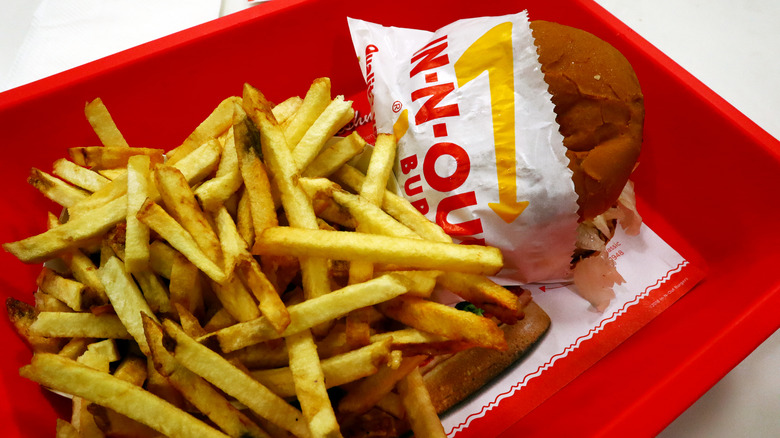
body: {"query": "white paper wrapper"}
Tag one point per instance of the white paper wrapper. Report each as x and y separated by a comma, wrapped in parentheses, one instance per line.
(479, 150)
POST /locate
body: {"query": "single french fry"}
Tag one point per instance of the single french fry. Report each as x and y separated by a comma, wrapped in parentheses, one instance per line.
(219, 121)
(163, 224)
(186, 285)
(126, 298)
(337, 152)
(70, 377)
(103, 124)
(100, 354)
(56, 189)
(161, 258)
(379, 169)
(79, 176)
(244, 219)
(236, 299)
(370, 390)
(285, 109)
(79, 325)
(132, 369)
(84, 270)
(396, 206)
(270, 303)
(181, 204)
(297, 205)
(196, 390)
(314, 103)
(437, 318)
(422, 415)
(214, 192)
(337, 370)
(479, 290)
(110, 157)
(310, 387)
(256, 182)
(137, 234)
(233, 381)
(234, 248)
(70, 292)
(75, 347)
(337, 114)
(313, 311)
(411, 253)
(154, 291)
(22, 317)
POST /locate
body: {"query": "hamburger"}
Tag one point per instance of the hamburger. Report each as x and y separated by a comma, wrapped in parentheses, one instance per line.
(599, 108)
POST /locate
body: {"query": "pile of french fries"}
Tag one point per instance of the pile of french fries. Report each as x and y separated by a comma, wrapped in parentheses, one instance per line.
(248, 283)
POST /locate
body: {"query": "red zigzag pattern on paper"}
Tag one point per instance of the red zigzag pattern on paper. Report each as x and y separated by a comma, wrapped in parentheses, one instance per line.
(465, 423)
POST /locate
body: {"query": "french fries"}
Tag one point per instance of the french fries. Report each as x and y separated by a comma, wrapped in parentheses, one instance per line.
(215, 281)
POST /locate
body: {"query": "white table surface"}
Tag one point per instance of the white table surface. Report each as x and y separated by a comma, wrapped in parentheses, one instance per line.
(731, 46)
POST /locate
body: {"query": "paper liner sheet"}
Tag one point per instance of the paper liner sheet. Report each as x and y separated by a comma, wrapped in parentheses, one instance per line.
(656, 275)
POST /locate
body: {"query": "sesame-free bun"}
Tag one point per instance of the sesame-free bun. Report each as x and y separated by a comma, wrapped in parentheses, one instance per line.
(599, 107)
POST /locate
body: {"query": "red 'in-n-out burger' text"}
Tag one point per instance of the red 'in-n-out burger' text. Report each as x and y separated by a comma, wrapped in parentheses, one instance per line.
(426, 61)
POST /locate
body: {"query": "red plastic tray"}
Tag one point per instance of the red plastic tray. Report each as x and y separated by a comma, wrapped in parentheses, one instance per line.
(708, 184)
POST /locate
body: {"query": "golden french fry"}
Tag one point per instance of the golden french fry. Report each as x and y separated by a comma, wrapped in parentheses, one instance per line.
(181, 204)
(84, 270)
(79, 325)
(79, 176)
(297, 205)
(337, 152)
(219, 121)
(154, 291)
(161, 258)
(338, 370)
(103, 124)
(69, 291)
(379, 169)
(436, 318)
(411, 253)
(214, 192)
(196, 390)
(479, 290)
(236, 299)
(314, 103)
(110, 157)
(22, 317)
(313, 311)
(126, 298)
(234, 248)
(420, 411)
(233, 381)
(137, 233)
(310, 385)
(75, 347)
(186, 285)
(370, 390)
(56, 189)
(70, 377)
(163, 224)
(270, 303)
(285, 109)
(132, 369)
(337, 114)
(99, 355)
(394, 205)
(256, 182)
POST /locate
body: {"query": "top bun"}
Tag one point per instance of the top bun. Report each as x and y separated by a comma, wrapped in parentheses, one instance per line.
(599, 107)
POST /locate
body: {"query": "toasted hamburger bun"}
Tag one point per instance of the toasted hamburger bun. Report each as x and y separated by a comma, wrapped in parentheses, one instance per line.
(599, 107)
